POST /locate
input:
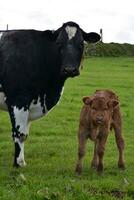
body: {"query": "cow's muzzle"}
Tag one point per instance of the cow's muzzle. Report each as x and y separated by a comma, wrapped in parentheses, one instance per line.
(70, 72)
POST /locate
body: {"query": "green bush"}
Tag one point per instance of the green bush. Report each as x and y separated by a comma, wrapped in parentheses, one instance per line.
(109, 49)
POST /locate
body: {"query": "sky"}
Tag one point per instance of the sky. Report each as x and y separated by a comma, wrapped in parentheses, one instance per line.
(115, 17)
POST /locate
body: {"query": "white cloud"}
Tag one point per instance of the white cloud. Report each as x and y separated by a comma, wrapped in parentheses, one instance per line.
(116, 17)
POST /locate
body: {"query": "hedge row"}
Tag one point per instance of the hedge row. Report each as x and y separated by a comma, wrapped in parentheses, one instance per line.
(109, 49)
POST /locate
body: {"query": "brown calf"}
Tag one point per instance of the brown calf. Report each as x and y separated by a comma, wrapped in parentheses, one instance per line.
(100, 113)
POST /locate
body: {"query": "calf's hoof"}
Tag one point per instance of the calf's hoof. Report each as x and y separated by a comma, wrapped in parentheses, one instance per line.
(94, 165)
(121, 166)
(100, 168)
(78, 170)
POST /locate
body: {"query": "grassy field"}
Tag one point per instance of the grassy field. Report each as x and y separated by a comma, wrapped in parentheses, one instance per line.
(51, 148)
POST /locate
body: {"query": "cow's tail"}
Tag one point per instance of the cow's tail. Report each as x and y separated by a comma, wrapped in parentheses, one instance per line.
(1, 70)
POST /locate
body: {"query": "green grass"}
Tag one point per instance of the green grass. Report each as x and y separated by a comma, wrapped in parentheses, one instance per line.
(51, 148)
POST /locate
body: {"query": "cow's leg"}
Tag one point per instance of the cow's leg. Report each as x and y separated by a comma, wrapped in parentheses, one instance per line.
(100, 151)
(117, 125)
(82, 138)
(20, 129)
(94, 162)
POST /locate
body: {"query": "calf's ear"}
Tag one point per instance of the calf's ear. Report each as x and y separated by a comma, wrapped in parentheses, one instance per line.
(113, 103)
(91, 37)
(87, 100)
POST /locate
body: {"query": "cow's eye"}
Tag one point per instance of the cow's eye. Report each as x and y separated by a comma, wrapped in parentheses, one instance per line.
(81, 45)
(59, 44)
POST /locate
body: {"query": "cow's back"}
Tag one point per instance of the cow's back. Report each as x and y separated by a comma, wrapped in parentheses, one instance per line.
(28, 60)
(26, 51)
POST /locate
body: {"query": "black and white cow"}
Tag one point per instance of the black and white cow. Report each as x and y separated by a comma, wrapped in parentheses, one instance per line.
(33, 68)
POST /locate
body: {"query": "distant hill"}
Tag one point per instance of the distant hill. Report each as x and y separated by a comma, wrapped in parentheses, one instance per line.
(109, 49)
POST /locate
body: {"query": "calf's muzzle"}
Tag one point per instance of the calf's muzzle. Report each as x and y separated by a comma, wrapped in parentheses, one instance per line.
(99, 120)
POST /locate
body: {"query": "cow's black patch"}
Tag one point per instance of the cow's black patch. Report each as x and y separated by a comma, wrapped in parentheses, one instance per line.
(1, 89)
(43, 103)
(17, 152)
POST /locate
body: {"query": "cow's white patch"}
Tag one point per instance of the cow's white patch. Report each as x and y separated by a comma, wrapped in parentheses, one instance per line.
(36, 109)
(1, 35)
(3, 105)
(71, 31)
(21, 119)
(20, 159)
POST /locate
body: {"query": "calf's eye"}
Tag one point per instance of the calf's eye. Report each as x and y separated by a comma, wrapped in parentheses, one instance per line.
(105, 109)
(93, 108)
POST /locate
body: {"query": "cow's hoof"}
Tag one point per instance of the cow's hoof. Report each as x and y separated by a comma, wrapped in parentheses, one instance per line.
(21, 163)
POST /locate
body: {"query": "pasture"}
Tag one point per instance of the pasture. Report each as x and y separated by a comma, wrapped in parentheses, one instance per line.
(51, 148)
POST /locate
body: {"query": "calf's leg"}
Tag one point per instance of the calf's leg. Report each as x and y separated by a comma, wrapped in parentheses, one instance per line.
(117, 125)
(120, 146)
(82, 139)
(94, 162)
(100, 151)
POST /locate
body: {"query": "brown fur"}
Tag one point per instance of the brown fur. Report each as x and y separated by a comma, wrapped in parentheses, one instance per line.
(100, 113)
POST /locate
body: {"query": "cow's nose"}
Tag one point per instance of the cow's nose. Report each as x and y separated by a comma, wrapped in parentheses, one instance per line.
(69, 71)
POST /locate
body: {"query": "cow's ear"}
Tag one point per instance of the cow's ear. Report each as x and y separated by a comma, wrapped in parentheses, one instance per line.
(113, 103)
(87, 100)
(51, 34)
(48, 34)
(56, 34)
(91, 37)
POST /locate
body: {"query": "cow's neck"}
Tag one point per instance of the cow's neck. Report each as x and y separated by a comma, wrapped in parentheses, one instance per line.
(46, 100)
(53, 93)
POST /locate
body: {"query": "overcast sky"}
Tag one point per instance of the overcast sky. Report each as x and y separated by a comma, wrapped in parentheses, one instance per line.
(115, 17)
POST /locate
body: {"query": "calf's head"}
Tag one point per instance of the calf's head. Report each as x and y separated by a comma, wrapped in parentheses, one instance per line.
(70, 42)
(100, 109)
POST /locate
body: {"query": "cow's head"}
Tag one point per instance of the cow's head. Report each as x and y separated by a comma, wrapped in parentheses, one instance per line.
(100, 109)
(70, 42)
